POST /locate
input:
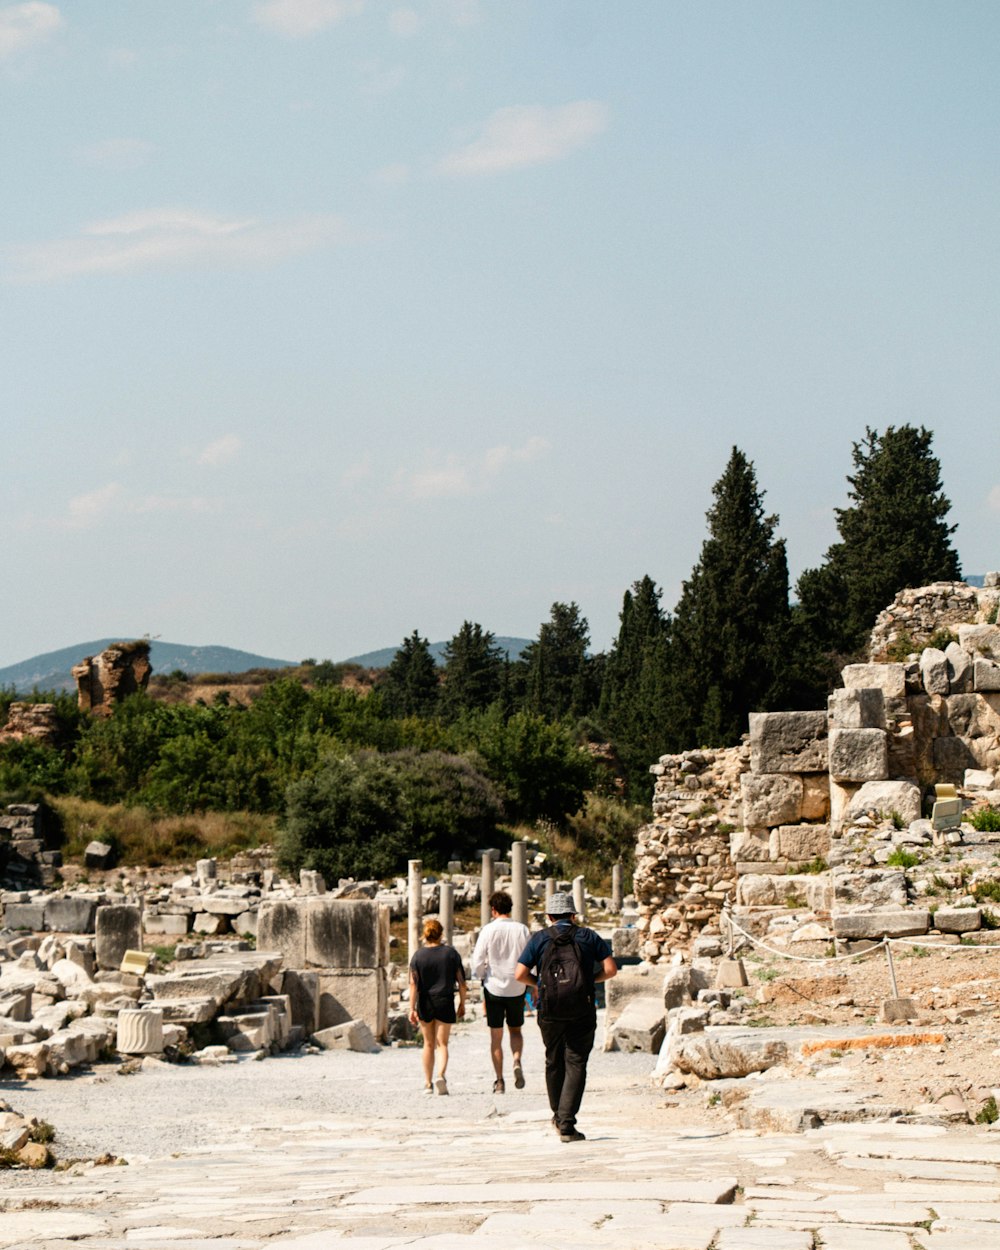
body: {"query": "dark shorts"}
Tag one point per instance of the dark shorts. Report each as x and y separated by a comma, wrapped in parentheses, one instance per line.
(500, 1011)
(442, 1009)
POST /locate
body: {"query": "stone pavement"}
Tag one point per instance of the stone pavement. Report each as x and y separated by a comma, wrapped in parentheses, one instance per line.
(475, 1172)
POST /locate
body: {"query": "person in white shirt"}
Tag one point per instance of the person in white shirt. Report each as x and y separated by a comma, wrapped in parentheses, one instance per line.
(493, 962)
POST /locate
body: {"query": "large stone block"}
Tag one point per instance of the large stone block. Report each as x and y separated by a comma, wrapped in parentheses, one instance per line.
(885, 798)
(29, 916)
(726, 1053)
(981, 640)
(302, 991)
(632, 981)
(346, 933)
(858, 755)
(770, 799)
(951, 757)
(860, 708)
(934, 671)
(119, 929)
(788, 742)
(745, 845)
(640, 1027)
(281, 926)
(959, 668)
(986, 676)
(889, 678)
(799, 843)
(913, 922)
(168, 926)
(354, 994)
(815, 797)
(958, 919)
(73, 913)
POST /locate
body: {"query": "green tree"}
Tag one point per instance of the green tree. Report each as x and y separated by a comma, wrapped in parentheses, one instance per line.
(634, 693)
(559, 680)
(730, 628)
(473, 671)
(892, 536)
(410, 684)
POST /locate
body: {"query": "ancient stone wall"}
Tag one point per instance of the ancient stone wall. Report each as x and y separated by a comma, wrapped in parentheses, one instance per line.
(683, 869)
(30, 720)
(762, 820)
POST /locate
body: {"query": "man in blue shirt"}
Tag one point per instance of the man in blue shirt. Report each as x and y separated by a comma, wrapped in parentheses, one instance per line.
(568, 1039)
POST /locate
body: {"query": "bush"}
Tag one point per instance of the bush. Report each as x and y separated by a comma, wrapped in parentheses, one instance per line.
(985, 819)
(606, 829)
(902, 858)
(365, 815)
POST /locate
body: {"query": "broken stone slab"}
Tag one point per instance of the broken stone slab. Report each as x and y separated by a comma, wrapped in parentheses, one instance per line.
(913, 922)
(717, 1054)
(351, 1035)
(187, 1011)
(799, 843)
(72, 913)
(29, 916)
(934, 673)
(166, 925)
(99, 855)
(985, 676)
(889, 678)
(898, 1010)
(770, 799)
(788, 742)
(346, 994)
(639, 1028)
(980, 640)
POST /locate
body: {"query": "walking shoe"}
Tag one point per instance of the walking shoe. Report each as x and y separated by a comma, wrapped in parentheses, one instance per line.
(498, 1086)
(441, 1085)
(518, 1076)
(428, 1089)
(571, 1134)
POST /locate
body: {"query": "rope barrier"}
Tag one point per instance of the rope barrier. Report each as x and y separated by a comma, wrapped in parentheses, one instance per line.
(882, 944)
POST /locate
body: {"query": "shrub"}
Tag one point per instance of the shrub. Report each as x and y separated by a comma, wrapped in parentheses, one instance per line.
(365, 815)
(900, 857)
(606, 829)
(985, 819)
(941, 638)
(989, 889)
(988, 1113)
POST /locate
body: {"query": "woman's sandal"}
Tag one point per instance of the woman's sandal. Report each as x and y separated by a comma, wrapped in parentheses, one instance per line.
(498, 1086)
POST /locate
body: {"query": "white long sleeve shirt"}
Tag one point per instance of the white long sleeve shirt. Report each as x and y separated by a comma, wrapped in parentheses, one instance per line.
(497, 948)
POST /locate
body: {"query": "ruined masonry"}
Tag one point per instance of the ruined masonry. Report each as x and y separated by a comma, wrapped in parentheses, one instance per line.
(773, 822)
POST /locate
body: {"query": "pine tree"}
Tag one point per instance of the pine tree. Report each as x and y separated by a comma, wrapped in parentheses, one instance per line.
(634, 705)
(410, 684)
(559, 680)
(473, 671)
(893, 536)
(730, 627)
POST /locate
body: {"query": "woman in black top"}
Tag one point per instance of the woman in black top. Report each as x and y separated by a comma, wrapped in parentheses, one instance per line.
(435, 970)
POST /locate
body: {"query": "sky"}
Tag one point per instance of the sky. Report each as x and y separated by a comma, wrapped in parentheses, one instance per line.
(322, 321)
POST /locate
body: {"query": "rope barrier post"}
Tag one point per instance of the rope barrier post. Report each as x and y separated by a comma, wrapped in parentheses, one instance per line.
(730, 974)
(896, 1010)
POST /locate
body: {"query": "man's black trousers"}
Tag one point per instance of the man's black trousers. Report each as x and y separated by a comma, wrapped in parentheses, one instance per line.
(568, 1044)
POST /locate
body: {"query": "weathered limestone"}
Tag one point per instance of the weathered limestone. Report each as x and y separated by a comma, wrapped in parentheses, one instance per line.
(874, 925)
(351, 1035)
(788, 742)
(118, 928)
(885, 798)
(106, 679)
(858, 755)
(640, 1027)
(140, 1032)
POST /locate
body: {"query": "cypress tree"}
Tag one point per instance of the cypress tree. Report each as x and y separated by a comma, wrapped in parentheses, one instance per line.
(730, 627)
(894, 535)
(410, 684)
(473, 671)
(558, 681)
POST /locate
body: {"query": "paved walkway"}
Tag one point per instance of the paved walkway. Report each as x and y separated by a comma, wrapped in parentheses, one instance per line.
(474, 1172)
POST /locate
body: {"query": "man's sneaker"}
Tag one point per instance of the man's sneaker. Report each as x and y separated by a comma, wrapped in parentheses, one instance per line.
(571, 1135)
(441, 1085)
(518, 1076)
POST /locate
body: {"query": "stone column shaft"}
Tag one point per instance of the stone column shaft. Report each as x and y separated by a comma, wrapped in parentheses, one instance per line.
(486, 890)
(519, 881)
(446, 911)
(415, 908)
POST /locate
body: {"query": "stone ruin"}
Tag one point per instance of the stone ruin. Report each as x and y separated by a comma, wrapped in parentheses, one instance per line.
(774, 823)
(104, 680)
(30, 720)
(29, 847)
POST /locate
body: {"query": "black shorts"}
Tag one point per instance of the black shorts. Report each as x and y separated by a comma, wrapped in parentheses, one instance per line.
(440, 1009)
(500, 1011)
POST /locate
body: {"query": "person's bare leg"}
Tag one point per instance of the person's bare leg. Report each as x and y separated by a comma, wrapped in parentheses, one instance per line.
(516, 1050)
(443, 1033)
(429, 1029)
(496, 1051)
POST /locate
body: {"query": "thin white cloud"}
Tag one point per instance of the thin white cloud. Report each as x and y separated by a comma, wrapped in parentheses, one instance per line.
(297, 19)
(115, 154)
(404, 23)
(221, 451)
(24, 25)
(523, 135)
(171, 238)
(89, 509)
(459, 477)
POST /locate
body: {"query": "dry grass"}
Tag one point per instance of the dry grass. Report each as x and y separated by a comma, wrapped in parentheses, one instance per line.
(146, 840)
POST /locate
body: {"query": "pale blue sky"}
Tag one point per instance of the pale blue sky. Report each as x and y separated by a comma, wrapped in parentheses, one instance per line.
(325, 320)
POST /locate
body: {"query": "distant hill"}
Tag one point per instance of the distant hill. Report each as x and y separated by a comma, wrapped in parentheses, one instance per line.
(382, 659)
(51, 671)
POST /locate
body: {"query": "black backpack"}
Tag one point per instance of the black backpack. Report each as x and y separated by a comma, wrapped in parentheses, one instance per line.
(567, 991)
